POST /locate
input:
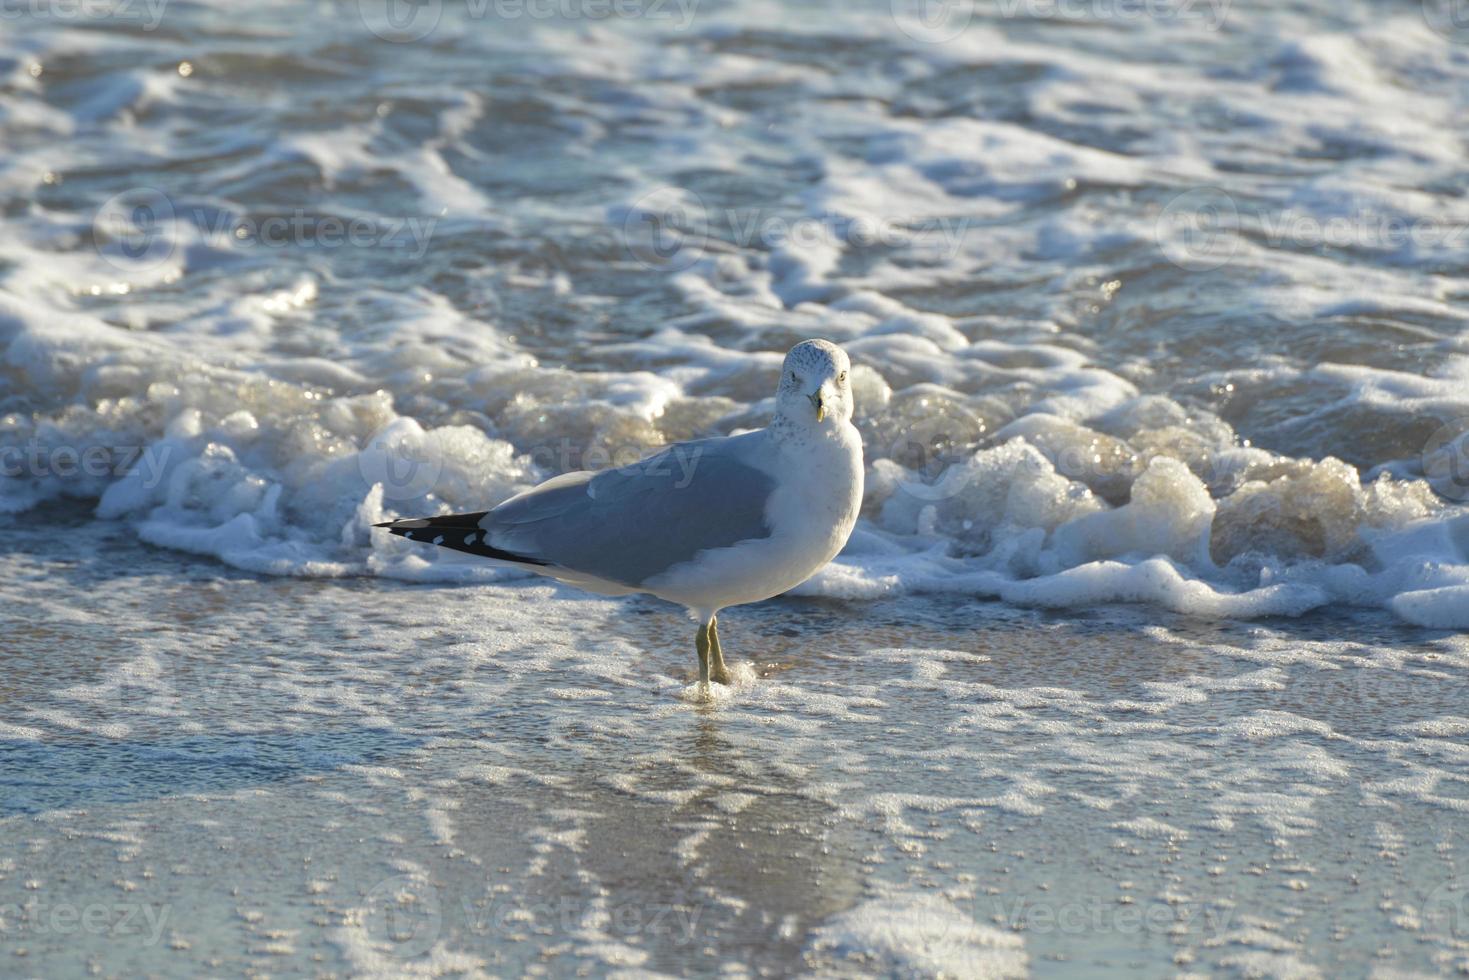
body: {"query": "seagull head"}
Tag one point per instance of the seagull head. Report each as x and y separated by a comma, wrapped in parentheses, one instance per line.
(814, 387)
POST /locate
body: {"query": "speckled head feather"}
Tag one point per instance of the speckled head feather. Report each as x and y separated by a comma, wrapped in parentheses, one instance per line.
(817, 357)
(815, 374)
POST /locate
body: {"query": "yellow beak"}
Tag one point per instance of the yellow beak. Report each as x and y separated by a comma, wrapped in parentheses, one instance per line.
(815, 397)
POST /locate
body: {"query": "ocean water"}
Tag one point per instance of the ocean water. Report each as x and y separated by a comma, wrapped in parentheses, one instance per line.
(1145, 658)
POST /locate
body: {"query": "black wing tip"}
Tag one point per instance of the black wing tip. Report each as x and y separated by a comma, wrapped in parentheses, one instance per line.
(465, 521)
(450, 532)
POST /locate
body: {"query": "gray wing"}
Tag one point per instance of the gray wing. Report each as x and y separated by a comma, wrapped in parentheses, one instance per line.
(628, 524)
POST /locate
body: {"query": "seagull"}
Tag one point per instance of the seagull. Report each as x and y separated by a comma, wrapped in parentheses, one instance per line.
(706, 524)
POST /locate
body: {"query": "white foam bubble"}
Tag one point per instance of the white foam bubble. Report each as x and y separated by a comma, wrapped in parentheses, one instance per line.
(916, 934)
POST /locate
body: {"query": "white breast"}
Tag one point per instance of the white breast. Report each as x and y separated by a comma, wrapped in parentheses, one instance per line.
(810, 514)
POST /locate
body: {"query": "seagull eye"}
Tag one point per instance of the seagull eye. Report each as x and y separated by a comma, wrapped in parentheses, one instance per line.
(842, 378)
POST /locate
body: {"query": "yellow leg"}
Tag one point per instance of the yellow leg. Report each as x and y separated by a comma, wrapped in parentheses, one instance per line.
(701, 643)
(717, 670)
